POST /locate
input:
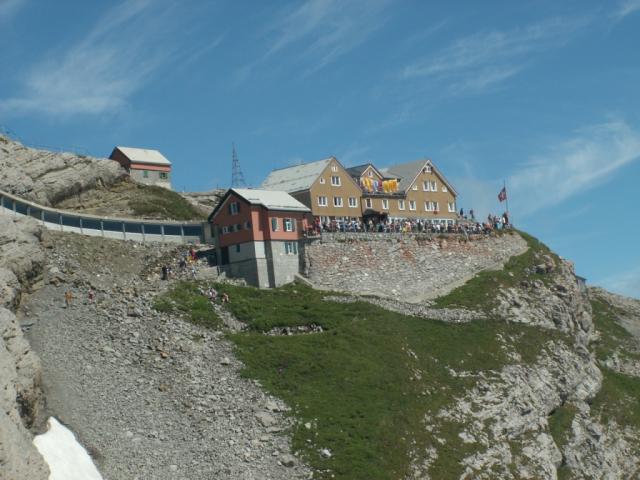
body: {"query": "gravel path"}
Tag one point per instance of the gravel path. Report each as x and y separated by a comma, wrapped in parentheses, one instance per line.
(150, 396)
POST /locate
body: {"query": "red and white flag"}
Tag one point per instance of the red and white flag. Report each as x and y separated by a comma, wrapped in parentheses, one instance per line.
(502, 196)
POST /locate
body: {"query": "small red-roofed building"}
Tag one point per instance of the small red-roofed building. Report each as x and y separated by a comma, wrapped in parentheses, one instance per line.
(144, 165)
(258, 235)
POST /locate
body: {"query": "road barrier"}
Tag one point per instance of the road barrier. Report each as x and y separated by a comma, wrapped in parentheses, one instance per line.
(108, 227)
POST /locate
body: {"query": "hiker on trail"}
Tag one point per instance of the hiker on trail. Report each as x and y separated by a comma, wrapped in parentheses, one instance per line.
(213, 294)
(192, 252)
(183, 263)
(68, 298)
(473, 216)
(165, 272)
(193, 272)
(225, 298)
(92, 296)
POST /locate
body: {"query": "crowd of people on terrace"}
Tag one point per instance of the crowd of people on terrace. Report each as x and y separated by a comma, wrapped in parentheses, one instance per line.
(465, 224)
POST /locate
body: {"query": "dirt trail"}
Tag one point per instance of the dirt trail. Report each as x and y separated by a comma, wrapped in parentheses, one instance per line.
(150, 395)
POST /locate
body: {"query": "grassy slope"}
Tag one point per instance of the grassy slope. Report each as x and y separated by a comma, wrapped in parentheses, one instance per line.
(618, 397)
(158, 202)
(368, 381)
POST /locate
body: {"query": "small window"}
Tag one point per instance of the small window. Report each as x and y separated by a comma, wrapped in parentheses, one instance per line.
(322, 201)
(401, 204)
(321, 180)
(237, 248)
(238, 227)
(353, 202)
(274, 225)
(234, 208)
(427, 169)
(434, 186)
(164, 175)
(335, 180)
(415, 188)
(367, 202)
(289, 225)
(426, 186)
(452, 207)
(337, 201)
(436, 207)
(444, 188)
(427, 206)
(290, 248)
(370, 173)
(412, 204)
(145, 173)
(225, 229)
(334, 168)
(385, 204)
(247, 225)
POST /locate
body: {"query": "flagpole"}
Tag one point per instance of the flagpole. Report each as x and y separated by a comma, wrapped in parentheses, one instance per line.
(504, 186)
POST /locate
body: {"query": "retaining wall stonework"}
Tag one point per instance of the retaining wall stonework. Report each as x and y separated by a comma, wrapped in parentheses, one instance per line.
(408, 267)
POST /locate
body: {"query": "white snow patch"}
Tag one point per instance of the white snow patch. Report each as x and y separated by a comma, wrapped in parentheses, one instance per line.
(67, 459)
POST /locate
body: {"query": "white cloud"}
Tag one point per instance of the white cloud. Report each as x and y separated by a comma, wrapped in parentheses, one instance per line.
(626, 8)
(8, 8)
(320, 31)
(477, 62)
(625, 283)
(98, 74)
(587, 160)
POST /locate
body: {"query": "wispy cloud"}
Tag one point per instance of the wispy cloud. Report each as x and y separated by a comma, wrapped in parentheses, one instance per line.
(587, 160)
(477, 62)
(8, 8)
(100, 72)
(317, 32)
(626, 8)
(625, 283)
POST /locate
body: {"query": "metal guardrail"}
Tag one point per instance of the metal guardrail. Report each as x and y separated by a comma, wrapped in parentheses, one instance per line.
(109, 227)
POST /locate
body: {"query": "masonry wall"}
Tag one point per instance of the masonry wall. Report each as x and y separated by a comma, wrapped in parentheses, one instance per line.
(410, 267)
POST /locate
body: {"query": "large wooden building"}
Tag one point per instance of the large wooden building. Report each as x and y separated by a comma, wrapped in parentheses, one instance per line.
(412, 190)
(324, 186)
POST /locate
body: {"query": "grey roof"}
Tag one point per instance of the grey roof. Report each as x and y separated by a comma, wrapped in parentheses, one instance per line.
(144, 155)
(358, 169)
(406, 172)
(271, 199)
(296, 178)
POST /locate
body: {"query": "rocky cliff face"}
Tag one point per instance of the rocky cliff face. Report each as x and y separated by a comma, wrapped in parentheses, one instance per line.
(410, 268)
(21, 263)
(48, 177)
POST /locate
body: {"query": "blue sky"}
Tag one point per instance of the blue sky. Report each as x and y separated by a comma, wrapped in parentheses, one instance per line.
(543, 94)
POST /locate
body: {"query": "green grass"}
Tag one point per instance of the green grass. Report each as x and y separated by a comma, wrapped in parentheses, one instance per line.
(357, 382)
(156, 201)
(479, 292)
(618, 399)
(613, 336)
(560, 422)
(185, 298)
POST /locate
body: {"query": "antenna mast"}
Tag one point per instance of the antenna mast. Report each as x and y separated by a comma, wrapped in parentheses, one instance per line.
(237, 178)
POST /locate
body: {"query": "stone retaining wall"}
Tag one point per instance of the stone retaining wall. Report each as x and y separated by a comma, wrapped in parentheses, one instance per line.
(408, 267)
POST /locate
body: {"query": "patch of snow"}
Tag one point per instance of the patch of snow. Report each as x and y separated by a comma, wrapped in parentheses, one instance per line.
(67, 459)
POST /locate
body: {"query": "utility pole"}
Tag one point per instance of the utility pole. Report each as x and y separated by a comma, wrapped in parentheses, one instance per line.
(237, 178)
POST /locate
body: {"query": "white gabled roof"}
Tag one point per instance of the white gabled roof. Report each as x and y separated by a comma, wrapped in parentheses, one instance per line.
(271, 199)
(143, 155)
(295, 178)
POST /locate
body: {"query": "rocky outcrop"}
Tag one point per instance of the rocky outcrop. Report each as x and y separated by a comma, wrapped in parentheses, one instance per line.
(555, 300)
(21, 262)
(48, 177)
(406, 267)
(507, 416)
